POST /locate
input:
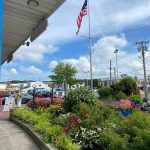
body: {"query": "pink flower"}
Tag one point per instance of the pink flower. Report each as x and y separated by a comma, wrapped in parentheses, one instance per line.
(79, 121)
(72, 122)
(86, 116)
(123, 103)
(73, 115)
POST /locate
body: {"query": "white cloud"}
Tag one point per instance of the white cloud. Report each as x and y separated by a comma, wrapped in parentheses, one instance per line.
(52, 64)
(104, 48)
(82, 64)
(102, 53)
(31, 70)
(106, 17)
(35, 52)
(11, 72)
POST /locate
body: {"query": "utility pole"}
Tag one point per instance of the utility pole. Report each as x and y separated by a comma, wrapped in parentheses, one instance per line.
(142, 48)
(110, 72)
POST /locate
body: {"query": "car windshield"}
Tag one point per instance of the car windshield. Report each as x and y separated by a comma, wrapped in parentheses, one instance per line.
(58, 89)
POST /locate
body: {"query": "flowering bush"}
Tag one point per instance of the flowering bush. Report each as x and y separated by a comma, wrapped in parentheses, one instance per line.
(126, 104)
(83, 129)
(123, 104)
(75, 97)
(44, 102)
(137, 106)
(58, 100)
(55, 108)
(39, 103)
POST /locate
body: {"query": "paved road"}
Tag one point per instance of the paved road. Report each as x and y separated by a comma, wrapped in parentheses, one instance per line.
(12, 137)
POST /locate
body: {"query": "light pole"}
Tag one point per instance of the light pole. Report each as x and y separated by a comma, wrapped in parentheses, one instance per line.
(116, 52)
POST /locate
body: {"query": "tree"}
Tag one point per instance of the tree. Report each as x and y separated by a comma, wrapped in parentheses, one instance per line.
(128, 85)
(64, 73)
(96, 83)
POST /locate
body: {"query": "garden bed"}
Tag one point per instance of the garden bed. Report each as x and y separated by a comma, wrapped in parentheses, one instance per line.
(109, 131)
(82, 123)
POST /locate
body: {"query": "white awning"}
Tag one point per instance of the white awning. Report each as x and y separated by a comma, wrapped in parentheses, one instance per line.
(21, 21)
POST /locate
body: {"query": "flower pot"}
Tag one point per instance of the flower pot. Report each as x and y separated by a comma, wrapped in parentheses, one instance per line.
(125, 112)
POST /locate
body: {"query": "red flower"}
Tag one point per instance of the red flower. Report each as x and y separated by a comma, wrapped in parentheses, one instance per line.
(65, 129)
(73, 115)
(86, 116)
(79, 121)
(72, 122)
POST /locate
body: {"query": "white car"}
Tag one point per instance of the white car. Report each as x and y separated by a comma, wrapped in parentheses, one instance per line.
(59, 92)
(95, 91)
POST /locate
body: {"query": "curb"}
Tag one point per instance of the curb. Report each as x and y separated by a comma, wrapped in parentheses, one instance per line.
(36, 137)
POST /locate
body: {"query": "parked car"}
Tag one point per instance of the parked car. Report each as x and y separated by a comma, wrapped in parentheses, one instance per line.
(26, 98)
(95, 91)
(42, 93)
(58, 92)
(3, 94)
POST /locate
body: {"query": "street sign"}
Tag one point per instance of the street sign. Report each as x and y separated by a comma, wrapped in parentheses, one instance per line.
(9, 104)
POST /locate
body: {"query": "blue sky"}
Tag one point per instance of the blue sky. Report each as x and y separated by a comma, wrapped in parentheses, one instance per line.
(114, 24)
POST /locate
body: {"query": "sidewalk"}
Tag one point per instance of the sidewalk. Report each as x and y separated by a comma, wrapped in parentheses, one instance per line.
(12, 137)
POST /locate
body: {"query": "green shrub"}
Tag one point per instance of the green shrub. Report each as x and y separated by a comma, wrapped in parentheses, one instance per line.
(51, 133)
(60, 120)
(74, 97)
(112, 141)
(104, 92)
(141, 141)
(42, 123)
(99, 114)
(86, 123)
(65, 142)
(116, 88)
(128, 85)
(136, 98)
(41, 127)
(55, 109)
(139, 119)
(120, 96)
(22, 114)
(89, 126)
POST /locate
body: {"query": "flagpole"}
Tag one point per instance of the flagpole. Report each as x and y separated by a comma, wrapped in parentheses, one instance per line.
(90, 47)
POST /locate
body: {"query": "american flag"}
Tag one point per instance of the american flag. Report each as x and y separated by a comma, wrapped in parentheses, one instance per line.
(83, 12)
